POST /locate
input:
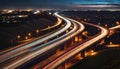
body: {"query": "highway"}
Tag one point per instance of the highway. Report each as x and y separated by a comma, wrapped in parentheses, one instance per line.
(34, 39)
(43, 63)
(113, 30)
(115, 27)
(23, 48)
(10, 64)
(59, 21)
(60, 60)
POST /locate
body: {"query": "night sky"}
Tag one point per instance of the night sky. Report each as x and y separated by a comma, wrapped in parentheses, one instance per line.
(52, 3)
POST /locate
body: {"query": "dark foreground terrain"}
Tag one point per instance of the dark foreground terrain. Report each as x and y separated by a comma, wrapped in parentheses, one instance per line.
(105, 59)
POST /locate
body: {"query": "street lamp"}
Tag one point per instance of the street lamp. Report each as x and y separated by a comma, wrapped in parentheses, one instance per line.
(29, 34)
(18, 37)
(117, 22)
(26, 37)
(106, 25)
(37, 31)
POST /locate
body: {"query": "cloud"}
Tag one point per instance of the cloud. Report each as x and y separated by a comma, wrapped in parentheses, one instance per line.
(52, 3)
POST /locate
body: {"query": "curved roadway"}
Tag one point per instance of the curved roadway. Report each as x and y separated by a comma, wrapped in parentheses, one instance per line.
(52, 44)
(12, 48)
(12, 52)
(76, 50)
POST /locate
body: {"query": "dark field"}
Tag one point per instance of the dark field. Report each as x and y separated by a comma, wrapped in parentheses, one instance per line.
(9, 32)
(105, 59)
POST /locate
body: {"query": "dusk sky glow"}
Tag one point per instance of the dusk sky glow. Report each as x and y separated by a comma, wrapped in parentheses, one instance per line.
(53, 3)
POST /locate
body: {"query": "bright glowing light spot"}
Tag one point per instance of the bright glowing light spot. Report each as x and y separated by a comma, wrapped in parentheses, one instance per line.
(67, 31)
(76, 38)
(84, 33)
(71, 27)
(19, 16)
(29, 34)
(94, 53)
(117, 22)
(10, 11)
(36, 12)
(50, 13)
(18, 36)
(29, 10)
(102, 42)
(111, 43)
(79, 57)
(48, 27)
(37, 31)
(90, 53)
(80, 39)
(106, 25)
(26, 37)
(98, 23)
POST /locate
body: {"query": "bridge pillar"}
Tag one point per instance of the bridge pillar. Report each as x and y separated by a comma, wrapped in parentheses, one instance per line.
(65, 46)
(83, 54)
(80, 38)
(72, 42)
(62, 47)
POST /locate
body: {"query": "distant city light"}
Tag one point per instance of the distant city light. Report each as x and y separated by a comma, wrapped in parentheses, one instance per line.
(50, 13)
(36, 12)
(29, 10)
(10, 11)
(20, 16)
